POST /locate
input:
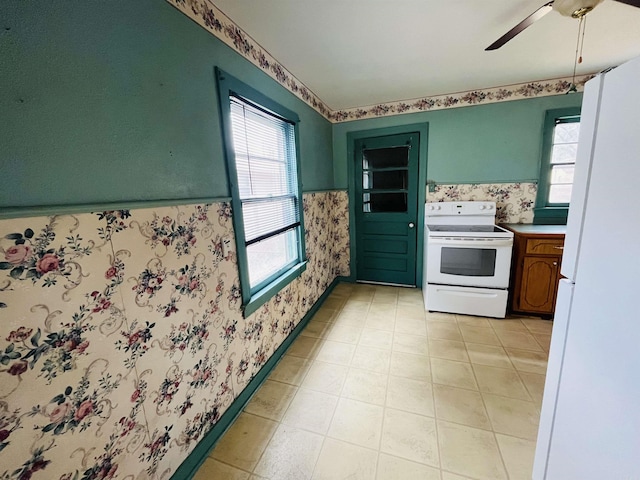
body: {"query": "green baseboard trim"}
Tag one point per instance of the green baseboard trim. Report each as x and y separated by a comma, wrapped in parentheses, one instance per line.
(349, 279)
(196, 458)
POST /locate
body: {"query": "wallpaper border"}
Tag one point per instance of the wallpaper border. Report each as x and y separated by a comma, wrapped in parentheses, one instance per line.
(209, 17)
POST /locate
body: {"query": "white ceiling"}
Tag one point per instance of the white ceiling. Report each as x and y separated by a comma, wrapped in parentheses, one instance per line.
(355, 53)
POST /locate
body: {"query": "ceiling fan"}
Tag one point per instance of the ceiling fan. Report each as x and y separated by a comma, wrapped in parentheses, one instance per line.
(569, 8)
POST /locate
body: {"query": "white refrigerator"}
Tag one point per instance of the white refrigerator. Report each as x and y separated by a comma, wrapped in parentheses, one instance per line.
(590, 419)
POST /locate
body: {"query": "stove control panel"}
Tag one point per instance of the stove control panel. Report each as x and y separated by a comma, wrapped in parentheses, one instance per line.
(469, 208)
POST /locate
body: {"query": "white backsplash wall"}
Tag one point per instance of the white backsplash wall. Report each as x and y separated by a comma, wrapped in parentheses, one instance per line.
(121, 336)
(514, 201)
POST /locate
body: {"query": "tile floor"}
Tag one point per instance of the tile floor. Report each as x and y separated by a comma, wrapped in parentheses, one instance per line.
(377, 388)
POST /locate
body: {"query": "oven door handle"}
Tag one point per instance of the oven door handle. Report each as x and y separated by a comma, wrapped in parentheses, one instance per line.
(472, 242)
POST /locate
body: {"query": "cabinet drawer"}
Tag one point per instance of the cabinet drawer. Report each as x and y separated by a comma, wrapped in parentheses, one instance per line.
(544, 246)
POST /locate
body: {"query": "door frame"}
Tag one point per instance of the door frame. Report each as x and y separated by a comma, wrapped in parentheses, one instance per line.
(422, 129)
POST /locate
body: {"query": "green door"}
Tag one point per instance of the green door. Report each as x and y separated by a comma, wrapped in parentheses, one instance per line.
(386, 208)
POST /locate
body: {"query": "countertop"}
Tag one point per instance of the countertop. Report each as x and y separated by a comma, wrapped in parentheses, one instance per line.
(528, 228)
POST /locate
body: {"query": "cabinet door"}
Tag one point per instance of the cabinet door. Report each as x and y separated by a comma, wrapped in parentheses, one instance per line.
(539, 283)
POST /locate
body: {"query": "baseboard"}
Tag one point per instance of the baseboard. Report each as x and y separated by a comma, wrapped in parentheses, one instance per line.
(196, 458)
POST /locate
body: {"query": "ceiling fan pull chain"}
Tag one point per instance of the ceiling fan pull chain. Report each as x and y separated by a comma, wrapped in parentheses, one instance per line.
(575, 62)
(578, 57)
(583, 25)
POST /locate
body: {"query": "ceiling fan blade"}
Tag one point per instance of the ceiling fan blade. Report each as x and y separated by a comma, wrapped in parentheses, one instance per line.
(633, 3)
(535, 16)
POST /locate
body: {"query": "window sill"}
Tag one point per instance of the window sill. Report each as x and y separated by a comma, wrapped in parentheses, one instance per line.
(265, 294)
(550, 215)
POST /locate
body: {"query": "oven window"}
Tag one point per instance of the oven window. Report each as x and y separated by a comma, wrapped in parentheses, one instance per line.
(468, 262)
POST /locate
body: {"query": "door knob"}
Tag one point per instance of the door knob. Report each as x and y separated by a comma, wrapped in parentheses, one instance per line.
(411, 225)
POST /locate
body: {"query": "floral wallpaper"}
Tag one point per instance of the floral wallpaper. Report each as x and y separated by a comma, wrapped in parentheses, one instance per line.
(209, 17)
(121, 336)
(514, 201)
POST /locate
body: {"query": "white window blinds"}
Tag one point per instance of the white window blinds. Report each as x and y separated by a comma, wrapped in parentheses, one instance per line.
(264, 147)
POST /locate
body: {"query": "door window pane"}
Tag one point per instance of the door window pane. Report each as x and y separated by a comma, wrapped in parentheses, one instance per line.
(470, 262)
(384, 202)
(385, 157)
(390, 179)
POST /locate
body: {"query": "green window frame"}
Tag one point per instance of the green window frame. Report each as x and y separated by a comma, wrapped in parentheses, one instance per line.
(263, 170)
(547, 212)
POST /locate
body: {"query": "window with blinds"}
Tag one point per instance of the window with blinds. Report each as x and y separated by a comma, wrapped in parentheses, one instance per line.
(267, 187)
(563, 160)
(560, 134)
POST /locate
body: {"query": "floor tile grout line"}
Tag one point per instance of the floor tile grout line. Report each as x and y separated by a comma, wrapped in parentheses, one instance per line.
(315, 464)
(331, 422)
(271, 435)
(528, 331)
(438, 418)
(512, 364)
(495, 346)
(521, 348)
(533, 400)
(232, 466)
(478, 390)
(324, 437)
(383, 409)
(495, 438)
(386, 408)
(435, 422)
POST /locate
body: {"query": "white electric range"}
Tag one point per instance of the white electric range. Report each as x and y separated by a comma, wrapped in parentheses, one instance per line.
(467, 259)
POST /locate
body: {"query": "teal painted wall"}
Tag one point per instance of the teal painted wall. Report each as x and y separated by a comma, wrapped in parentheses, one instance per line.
(499, 142)
(116, 101)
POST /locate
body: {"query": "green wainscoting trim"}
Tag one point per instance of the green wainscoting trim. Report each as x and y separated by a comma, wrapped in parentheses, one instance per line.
(483, 182)
(305, 192)
(46, 210)
(196, 458)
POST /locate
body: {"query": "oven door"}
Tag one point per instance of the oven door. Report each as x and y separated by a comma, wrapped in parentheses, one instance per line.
(468, 261)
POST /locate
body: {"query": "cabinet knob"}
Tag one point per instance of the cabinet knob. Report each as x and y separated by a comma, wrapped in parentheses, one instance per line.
(555, 264)
(411, 225)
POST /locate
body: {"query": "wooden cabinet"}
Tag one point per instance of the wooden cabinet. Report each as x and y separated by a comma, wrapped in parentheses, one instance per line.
(535, 271)
(538, 282)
